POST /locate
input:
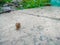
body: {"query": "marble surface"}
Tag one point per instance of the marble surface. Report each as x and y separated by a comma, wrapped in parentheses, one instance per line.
(39, 26)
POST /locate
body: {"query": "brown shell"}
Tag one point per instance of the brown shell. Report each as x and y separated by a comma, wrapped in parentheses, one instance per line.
(18, 26)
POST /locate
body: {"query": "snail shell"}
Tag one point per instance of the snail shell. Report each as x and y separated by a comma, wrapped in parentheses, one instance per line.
(18, 26)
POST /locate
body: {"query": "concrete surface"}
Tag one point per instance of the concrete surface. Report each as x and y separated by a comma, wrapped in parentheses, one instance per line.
(39, 26)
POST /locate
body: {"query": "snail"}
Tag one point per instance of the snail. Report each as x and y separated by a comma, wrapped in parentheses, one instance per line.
(18, 26)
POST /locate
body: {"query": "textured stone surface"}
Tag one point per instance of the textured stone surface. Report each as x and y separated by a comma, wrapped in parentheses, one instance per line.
(39, 26)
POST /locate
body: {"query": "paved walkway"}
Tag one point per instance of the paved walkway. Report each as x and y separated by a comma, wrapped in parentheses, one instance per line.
(39, 26)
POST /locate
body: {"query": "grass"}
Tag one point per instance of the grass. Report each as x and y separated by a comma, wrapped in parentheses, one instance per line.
(34, 3)
(28, 3)
(4, 1)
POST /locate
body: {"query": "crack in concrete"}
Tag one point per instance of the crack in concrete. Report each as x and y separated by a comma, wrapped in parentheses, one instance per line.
(42, 16)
